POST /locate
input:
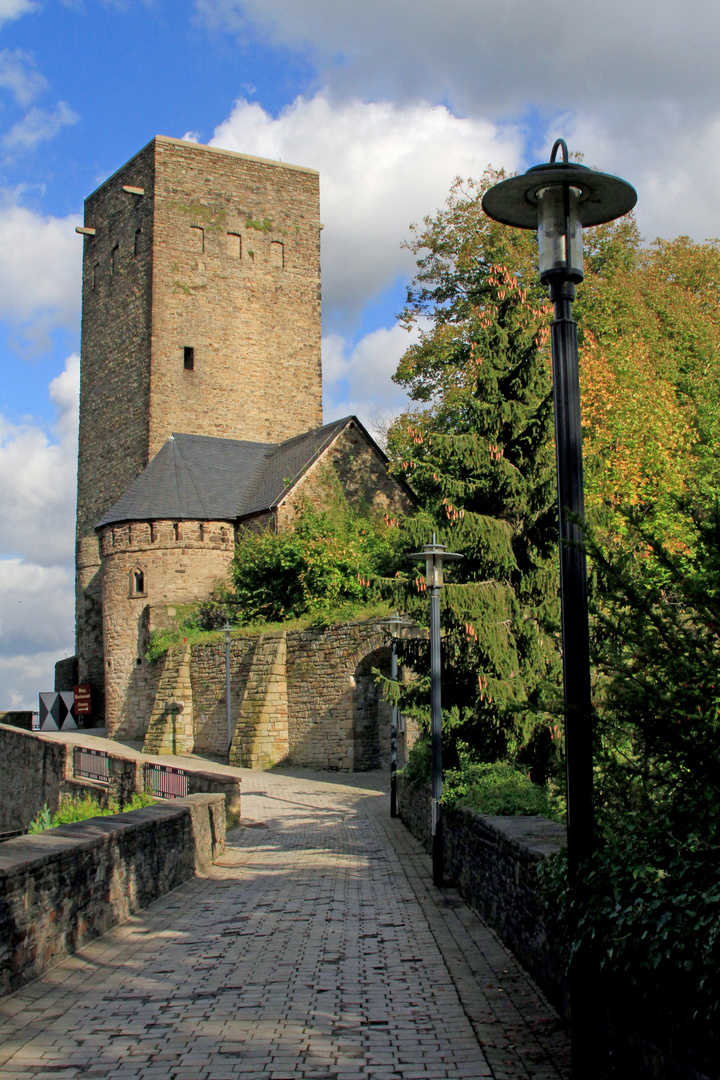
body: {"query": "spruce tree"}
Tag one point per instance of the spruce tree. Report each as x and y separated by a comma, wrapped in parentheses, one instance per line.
(480, 455)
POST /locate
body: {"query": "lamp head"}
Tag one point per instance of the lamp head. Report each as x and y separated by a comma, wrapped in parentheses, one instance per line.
(434, 555)
(559, 199)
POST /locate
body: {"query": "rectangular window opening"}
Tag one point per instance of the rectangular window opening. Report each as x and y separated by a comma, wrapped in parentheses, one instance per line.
(277, 253)
(189, 358)
(197, 239)
(114, 260)
(234, 245)
(136, 245)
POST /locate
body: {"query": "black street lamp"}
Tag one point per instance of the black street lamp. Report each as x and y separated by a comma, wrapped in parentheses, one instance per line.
(226, 630)
(433, 555)
(394, 624)
(559, 199)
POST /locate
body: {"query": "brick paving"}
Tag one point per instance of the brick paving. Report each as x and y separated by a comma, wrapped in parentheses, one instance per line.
(316, 948)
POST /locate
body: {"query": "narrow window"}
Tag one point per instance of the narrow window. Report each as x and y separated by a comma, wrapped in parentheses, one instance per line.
(114, 254)
(197, 239)
(139, 579)
(136, 244)
(95, 273)
(277, 253)
(176, 531)
(234, 245)
(189, 358)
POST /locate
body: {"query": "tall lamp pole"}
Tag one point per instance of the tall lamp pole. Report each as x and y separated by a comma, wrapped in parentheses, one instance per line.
(433, 555)
(394, 624)
(226, 630)
(559, 199)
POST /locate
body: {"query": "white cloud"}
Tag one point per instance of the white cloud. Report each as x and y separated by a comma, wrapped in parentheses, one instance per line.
(40, 267)
(358, 379)
(37, 532)
(382, 166)
(19, 75)
(13, 9)
(37, 481)
(39, 125)
(498, 54)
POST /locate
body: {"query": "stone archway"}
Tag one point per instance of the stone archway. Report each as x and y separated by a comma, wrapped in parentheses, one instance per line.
(371, 713)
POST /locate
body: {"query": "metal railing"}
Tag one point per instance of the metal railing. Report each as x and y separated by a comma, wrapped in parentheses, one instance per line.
(164, 782)
(91, 764)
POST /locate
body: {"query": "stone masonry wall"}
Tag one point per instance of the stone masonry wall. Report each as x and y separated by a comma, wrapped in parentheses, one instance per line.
(260, 738)
(62, 888)
(363, 474)
(236, 276)
(180, 562)
(210, 250)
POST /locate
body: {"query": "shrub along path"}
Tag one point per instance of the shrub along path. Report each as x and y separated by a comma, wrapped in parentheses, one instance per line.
(316, 948)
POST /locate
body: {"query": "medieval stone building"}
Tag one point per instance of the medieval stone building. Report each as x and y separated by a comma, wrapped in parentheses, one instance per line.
(200, 402)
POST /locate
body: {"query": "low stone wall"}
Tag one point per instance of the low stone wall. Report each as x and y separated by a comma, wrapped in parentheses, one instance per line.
(62, 888)
(36, 771)
(493, 863)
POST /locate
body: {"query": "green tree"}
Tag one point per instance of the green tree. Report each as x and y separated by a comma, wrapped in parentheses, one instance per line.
(479, 453)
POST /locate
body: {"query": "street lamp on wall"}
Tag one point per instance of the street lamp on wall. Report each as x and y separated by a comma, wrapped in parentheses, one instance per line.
(226, 630)
(559, 199)
(434, 555)
(394, 624)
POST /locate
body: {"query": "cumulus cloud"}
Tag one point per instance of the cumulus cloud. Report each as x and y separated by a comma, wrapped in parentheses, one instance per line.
(19, 75)
(497, 54)
(39, 125)
(40, 267)
(357, 379)
(13, 9)
(37, 492)
(37, 481)
(382, 166)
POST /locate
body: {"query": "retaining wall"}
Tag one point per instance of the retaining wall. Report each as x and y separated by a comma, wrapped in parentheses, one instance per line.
(62, 888)
(493, 862)
(36, 771)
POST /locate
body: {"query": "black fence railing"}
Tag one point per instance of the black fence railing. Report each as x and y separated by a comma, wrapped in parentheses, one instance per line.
(164, 782)
(91, 765)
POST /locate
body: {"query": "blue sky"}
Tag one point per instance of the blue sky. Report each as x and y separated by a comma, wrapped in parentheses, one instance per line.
(389, 99)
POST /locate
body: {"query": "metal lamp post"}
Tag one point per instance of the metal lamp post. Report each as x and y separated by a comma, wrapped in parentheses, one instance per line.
(559, 199)
(394, 624)
(226, 630)
(433, 555)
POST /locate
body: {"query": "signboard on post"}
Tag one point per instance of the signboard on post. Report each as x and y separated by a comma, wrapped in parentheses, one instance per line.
(83, 700)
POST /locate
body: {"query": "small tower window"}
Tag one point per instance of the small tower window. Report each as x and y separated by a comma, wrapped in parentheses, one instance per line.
(234, 245)
(114, 260)
(189, 358)
(197, 239)
(136, 244)
(138, 584)
(277, 253)
(95, 275)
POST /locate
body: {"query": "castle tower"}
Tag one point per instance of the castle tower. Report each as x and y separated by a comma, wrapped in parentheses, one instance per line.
(201, 314)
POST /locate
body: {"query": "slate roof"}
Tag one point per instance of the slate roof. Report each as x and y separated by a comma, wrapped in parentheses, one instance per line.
(209, 479)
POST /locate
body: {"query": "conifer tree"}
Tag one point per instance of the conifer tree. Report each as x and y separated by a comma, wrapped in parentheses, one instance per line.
(480, 455)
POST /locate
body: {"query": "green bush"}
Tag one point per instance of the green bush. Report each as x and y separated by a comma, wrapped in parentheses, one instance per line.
(81, 807)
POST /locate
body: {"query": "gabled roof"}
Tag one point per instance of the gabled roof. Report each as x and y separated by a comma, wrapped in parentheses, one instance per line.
(204, 478)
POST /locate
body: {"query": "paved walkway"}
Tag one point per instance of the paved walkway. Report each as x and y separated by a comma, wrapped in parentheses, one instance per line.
(316, 948)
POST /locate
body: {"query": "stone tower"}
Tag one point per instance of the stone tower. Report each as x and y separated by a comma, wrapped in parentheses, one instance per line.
(200, 314)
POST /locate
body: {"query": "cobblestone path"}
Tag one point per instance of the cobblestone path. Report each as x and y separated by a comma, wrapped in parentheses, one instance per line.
(316, 948)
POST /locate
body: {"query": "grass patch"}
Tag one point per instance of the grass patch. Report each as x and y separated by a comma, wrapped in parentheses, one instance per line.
(161, 641)
(81, 808)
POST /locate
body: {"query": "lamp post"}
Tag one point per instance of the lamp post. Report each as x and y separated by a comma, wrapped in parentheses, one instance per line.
(226, 630)
(433, 555)
(394, 624)
(559, 199)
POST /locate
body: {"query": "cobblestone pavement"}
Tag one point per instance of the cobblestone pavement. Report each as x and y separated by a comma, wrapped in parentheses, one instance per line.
(317, 947)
